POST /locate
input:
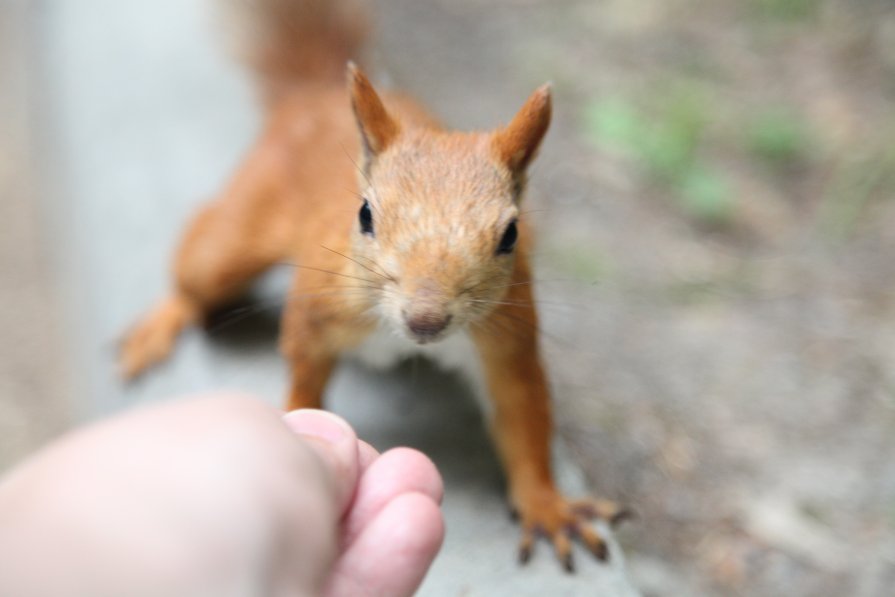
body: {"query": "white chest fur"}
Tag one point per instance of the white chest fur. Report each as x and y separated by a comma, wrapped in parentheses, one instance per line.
(384, 349)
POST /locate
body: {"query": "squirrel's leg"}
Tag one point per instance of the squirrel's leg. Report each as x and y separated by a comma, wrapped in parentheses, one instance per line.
(308, 376)
(321, 320)
(522, 427)
(229, 242)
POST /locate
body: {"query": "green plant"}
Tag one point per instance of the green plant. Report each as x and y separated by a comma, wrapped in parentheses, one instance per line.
(790, 11)
(778, 137)
(705, 194)
(664, 141)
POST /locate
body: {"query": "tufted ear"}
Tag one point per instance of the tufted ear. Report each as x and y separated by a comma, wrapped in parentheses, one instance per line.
(517, 143)
(377, 128)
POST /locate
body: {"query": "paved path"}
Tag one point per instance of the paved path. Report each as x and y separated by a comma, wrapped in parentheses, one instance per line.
(146, 118)
(33, 385)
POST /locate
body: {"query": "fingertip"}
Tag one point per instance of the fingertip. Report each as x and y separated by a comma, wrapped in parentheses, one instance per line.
(336, 445)
(424, 530)
(367, 455)
(396, 472)
(419, 467)
(394, 552)
(428, 515)
(319, 424)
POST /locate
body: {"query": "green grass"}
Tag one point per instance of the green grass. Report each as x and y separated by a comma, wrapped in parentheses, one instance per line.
(778, 137)
(705, 194)
(787, 11)
(664, 139)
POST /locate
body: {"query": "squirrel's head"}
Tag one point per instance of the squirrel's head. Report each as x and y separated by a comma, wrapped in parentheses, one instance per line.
(440, 218)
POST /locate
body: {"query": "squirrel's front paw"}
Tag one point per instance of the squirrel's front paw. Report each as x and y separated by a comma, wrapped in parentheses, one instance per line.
(545, 513)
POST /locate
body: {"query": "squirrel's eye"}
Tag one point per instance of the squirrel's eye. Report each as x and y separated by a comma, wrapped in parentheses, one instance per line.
(366, 218)
(508, 241)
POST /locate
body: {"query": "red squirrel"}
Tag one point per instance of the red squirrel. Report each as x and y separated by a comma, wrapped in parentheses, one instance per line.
(419, 242)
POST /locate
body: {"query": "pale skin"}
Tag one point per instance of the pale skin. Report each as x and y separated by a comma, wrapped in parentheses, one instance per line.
(220, 496)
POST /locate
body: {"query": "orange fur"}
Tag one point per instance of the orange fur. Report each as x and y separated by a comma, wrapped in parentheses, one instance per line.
(440, 202)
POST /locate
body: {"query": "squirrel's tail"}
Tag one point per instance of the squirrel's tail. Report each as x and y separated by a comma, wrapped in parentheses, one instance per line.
(293, 41)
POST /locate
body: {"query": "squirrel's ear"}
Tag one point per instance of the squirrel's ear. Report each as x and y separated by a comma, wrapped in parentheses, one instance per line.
(377, 128)
(517, 143)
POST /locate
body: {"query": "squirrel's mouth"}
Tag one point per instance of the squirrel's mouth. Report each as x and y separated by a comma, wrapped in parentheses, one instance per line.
(424, 340)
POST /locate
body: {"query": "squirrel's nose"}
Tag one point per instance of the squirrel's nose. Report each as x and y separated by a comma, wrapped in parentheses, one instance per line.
(426, 326)
(426, 313)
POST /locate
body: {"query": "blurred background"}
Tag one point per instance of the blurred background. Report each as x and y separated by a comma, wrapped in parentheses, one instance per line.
(716, 212)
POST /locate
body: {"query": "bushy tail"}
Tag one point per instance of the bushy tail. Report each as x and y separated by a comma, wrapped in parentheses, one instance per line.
(291, 41)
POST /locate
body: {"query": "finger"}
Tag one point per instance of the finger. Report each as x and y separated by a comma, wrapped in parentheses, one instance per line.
(367, 454)
(398, 471)
(393, 552)
(336, 445)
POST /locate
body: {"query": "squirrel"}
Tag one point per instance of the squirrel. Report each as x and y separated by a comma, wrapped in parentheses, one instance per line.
(420, 240)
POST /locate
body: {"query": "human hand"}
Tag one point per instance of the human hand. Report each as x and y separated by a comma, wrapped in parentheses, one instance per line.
(218, 496)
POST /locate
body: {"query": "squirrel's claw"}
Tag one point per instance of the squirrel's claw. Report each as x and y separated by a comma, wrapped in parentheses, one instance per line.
(562, 545)
(550, 515)
(526, 545)
(593, 541)
(607, 510)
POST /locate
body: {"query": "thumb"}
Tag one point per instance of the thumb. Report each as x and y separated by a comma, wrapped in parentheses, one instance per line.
(335, 444)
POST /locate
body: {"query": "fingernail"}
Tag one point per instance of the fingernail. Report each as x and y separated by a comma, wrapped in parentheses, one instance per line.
(318, 424)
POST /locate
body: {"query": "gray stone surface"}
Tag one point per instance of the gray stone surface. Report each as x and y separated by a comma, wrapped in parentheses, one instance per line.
(33, 384)
(146, 118)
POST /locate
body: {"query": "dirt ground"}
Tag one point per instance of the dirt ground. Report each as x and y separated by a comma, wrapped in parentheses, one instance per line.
(715, 209)
(715, 268)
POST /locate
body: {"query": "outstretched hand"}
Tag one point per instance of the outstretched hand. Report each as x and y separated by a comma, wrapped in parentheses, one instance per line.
(219, 496)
